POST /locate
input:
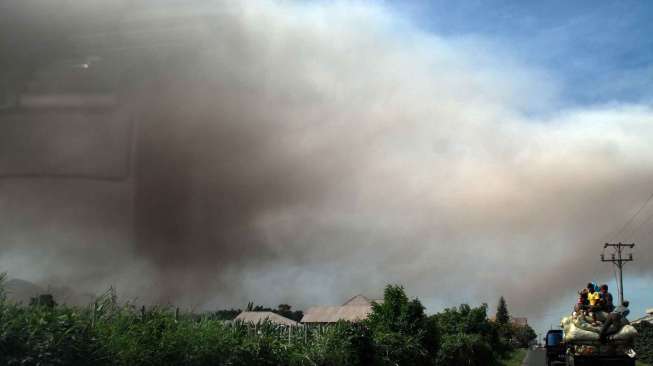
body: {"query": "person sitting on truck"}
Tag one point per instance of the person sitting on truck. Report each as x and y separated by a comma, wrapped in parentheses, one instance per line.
(582, 304)
(619, 313)
(593, 297)
(606, 299)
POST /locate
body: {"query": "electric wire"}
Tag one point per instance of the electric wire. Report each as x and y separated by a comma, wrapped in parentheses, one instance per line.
(634, 231)
(627, 224)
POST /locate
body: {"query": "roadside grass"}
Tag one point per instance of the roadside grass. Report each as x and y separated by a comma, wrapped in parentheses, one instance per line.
(515, 358)
(640, 363)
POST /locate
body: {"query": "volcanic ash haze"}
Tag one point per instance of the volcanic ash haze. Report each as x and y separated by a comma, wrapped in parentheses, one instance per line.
(303, 153)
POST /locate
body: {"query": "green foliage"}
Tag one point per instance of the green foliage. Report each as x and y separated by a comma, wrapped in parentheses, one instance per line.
(398, 332)
(644, 342)
(515, 357)
(403, 333)
(502, 316)
(502, 323)
(340, 344)
(40, 335)
(468, 335)
(46, 300)
(226, 314)
(465, 349)
(396, 313)
(286, 310)
(523, 335)
(3, 295)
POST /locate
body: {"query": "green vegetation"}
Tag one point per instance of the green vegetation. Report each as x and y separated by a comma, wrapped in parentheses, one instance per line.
(515, 358)
(644, 342)
(398, 332)
(519, 335)
(503, 316)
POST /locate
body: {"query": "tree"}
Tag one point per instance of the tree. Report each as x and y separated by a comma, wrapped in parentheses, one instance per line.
(3, 277)
(402, 332)
(502, 324)
(523, 335)
(464, 328)
(283, 308)
(286, 310)
(46, 300)
(503, 317)
(226, 314)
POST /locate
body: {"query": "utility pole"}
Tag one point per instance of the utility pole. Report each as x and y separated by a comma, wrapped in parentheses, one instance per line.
(618, 260)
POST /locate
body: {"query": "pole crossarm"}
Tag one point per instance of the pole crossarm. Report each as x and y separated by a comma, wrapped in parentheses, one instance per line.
(618, 260)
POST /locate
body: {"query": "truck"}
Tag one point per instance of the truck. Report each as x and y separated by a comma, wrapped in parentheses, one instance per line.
(555, 347)
(581, 344)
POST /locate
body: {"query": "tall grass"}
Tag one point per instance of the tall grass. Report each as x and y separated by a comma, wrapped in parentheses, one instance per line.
(109, 333)
(106, 333)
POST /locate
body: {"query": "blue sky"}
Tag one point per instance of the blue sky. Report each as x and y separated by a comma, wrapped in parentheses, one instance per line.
(602, 51)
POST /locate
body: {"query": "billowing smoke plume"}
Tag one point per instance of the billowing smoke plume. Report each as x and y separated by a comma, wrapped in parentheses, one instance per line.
(302, 153)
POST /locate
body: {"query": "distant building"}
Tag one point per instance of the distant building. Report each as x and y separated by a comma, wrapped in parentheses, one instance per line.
(355, 309)
(519, 321)
(646, 318)
(256, 317)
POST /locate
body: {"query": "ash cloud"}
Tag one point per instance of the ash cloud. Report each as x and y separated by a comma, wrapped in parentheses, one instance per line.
(298, 153)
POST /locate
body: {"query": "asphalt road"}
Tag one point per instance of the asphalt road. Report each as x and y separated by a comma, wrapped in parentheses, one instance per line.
(535, 358)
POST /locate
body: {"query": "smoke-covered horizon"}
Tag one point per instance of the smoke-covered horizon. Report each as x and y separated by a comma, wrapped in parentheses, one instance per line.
(304, 153)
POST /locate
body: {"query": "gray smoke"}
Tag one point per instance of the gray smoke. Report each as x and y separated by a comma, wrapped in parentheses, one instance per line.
(300, 153)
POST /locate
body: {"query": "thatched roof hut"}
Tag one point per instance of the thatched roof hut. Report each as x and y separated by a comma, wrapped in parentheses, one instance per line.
(355, 309)
(256, 317)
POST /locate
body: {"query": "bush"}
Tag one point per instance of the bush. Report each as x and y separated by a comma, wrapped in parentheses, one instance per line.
(523, 335)
(644, 342)
(466, 332)
(39, 335)
(341, 344)
(465, 349)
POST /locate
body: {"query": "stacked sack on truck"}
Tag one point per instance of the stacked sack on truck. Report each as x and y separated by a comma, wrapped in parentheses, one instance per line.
(579, 328)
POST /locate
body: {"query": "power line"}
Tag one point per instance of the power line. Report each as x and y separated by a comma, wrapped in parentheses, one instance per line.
(646, 221)
(632, 218)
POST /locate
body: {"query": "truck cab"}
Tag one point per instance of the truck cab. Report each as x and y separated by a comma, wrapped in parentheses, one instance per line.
(555, 348)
